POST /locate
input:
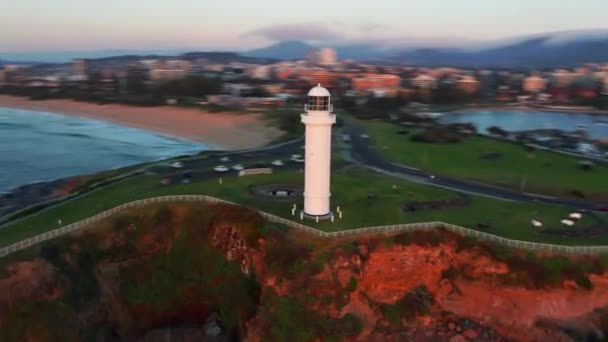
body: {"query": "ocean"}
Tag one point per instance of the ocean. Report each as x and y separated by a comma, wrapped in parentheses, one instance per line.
(39, 146)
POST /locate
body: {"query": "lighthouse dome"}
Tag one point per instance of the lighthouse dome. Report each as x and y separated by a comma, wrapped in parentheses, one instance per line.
(318, 100)
(318, 91)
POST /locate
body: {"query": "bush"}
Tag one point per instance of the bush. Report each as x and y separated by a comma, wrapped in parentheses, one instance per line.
(290, 320)
(449, 273)
(352, 284)
(282, 257)
(583, 281)
(349, 325)
(414, 303)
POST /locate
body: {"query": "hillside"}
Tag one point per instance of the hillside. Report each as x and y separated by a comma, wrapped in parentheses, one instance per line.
(547, 50)
(192, 272)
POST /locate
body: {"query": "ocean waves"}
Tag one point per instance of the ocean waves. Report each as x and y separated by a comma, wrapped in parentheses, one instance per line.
(39, 145)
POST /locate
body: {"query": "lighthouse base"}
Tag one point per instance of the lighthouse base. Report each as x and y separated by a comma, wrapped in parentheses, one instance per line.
(320, 217)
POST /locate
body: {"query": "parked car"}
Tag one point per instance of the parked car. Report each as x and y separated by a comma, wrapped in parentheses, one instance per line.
(225, 159)
(165, 180)
(277, 163)
(602, 207)
(297, 158)
(237, 167)
(177, 165)
(221, 168)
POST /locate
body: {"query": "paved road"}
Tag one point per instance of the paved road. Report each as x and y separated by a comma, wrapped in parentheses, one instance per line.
(365, 152)
(202, 169)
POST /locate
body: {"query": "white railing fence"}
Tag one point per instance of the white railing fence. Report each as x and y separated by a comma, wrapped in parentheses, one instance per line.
(407, 227)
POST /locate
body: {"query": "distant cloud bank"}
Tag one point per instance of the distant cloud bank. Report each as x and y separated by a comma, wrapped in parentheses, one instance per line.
(302, 31)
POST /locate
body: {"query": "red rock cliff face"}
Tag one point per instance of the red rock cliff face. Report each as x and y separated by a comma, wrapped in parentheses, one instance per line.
(475, 294)
(28, 281)
(399, 289)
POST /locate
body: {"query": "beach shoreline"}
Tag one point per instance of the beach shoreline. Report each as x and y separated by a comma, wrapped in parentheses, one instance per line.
(224, 130)
(526, 108)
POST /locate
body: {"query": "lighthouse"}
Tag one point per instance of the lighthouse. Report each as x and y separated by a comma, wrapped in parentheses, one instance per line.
(318, 120)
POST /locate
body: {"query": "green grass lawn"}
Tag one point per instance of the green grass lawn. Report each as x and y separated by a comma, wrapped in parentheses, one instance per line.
(350, 190)
(541, 172)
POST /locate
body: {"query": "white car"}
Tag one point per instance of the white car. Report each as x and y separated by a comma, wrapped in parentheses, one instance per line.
(224, 159)
(177, 165)
(237, 167)
(364, 136)
(221, 168)
(346, 137)
(277, 163)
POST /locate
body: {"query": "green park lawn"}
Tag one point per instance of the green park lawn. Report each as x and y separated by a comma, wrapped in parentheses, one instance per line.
(542, 172)
(350, 190)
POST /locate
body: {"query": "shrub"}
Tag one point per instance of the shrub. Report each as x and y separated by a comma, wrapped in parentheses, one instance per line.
(280, 256)
(290, 320)
(414, 303)
(352, 284)
(583, 281)
(449, 273)
(389, 241)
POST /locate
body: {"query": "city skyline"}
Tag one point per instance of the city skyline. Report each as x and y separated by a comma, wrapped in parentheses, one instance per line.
(233, 25)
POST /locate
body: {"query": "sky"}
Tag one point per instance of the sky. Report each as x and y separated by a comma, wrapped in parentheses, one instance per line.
(81, 25)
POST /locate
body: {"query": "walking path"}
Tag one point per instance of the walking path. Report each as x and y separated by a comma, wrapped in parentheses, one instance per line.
(533, 246)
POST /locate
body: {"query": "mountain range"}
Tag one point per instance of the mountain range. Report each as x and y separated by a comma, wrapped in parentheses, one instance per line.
(542, 50)
(548, 50)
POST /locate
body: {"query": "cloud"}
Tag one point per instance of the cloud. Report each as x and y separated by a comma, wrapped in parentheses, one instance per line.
(302, 31)
(370, 27)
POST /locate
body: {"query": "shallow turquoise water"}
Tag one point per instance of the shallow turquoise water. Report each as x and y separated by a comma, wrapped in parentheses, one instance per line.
(37, 146)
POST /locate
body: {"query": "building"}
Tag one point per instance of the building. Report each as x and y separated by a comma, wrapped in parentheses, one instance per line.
(237, 89)
(425, 82)
(161, 71)
(371, 82)
(562, 78)
(273, 88)
(317, 170)
(3, 77)
(534, 84)
(320, 75)
(324, 56)
(261, 72)
(80, 67)
(467, 84)
(505, 94)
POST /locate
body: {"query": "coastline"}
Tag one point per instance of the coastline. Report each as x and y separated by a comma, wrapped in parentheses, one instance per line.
(226, 130)
(524, 108)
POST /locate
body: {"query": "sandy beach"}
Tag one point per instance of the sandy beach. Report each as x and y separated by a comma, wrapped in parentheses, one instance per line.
(224, 130)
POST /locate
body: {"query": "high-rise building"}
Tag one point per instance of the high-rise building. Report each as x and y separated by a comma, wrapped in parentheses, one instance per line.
(425, 82)
(318, 120)
(467, 84)
(534, 84)
(80, 67)
(324, 56)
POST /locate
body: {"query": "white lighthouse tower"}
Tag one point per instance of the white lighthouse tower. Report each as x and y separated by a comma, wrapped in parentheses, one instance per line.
(318, 120)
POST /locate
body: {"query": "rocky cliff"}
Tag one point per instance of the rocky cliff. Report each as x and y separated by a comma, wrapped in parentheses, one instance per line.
(190, 272)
